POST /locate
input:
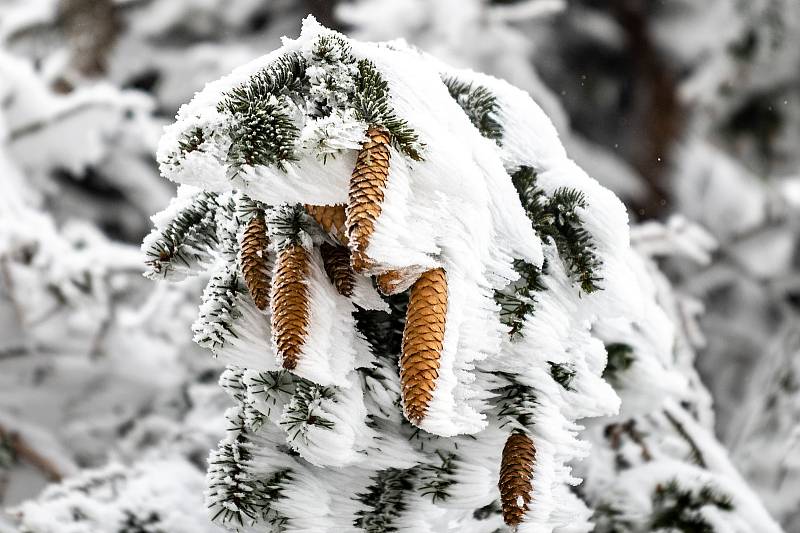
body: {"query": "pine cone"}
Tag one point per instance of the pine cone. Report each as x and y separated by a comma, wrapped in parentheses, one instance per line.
(337, 265)
(254, 260)
(290, 312)
(366, 194)
(516, 477)
(396, 281)
(387, 282)
(331, 218)
(423, 339)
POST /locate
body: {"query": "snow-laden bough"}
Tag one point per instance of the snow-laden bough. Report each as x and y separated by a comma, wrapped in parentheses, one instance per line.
(347, 168)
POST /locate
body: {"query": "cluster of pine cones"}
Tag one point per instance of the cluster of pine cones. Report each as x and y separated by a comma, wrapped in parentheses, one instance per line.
(351, 227)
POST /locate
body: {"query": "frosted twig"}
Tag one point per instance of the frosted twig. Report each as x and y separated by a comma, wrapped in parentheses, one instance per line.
(27, 453)
(697, 455)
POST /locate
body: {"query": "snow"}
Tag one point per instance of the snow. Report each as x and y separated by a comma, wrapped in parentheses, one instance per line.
(106, 370)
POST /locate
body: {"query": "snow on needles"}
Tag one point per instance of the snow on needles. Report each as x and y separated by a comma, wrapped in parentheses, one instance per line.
(450, 202)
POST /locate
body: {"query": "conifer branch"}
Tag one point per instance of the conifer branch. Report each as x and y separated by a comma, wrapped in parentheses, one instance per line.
(218, 309)
(620, 359)
(262, 131)
(236, 496)
(557, 218)
(479, 104)
(518, 300)
(563, 373)
(385, 500)
(515, 402)
(680, 509)
(435, 480)
(371, 101)
(185, 241)
(304, 410)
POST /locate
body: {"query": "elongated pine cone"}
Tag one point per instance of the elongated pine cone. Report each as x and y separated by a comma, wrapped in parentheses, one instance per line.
(290, 306)
(516, 477)
(337, 265)
(423, 339)
(254, 260)
(366, 194)
(331, 218)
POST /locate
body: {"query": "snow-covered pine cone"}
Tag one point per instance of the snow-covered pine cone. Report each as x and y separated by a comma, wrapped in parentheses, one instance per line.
(387, 282)
(366, 194)
(290, 305)
(336, 260)
(423, 339)
(255, 266)
(516, 477)
(396, 281)
(331, 218)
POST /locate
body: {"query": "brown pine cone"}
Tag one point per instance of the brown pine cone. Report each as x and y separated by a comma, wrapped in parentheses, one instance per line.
(254, 260)
(387, 282)
(331, 218)
(337, 265)
(516, 477)
(290, 306)
(366, 194)
(423, 339)
(396, 281)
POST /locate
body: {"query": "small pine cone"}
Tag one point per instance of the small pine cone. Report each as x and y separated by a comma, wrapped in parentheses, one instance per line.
(516, 477)
(254, 260)
(337, 265)
(331, 218)
(423, 339)
(290, 311)
(396, 281)
(366, 194)
(388, 282)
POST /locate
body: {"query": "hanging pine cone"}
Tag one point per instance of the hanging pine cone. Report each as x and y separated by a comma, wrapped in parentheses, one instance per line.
(366, 194)
(254, 260)
(516, 477)
(331, 218)
(290, 306)
(423, 339)
(388, 281)
(337, 265)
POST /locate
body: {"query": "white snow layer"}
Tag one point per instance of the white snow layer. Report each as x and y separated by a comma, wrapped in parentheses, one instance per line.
(456, 209)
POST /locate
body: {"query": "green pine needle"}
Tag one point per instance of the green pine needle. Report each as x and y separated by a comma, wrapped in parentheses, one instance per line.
(678, 509)
(557, 218)
(479, 104)
(186, 240)
(371, 103)
(563, 373)
(385, 500)
(620, 359)
(436, 479)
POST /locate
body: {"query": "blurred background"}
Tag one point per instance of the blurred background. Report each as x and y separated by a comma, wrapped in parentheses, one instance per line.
(689, 111)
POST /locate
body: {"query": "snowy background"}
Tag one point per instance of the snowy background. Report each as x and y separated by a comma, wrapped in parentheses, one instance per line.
(689, 111)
